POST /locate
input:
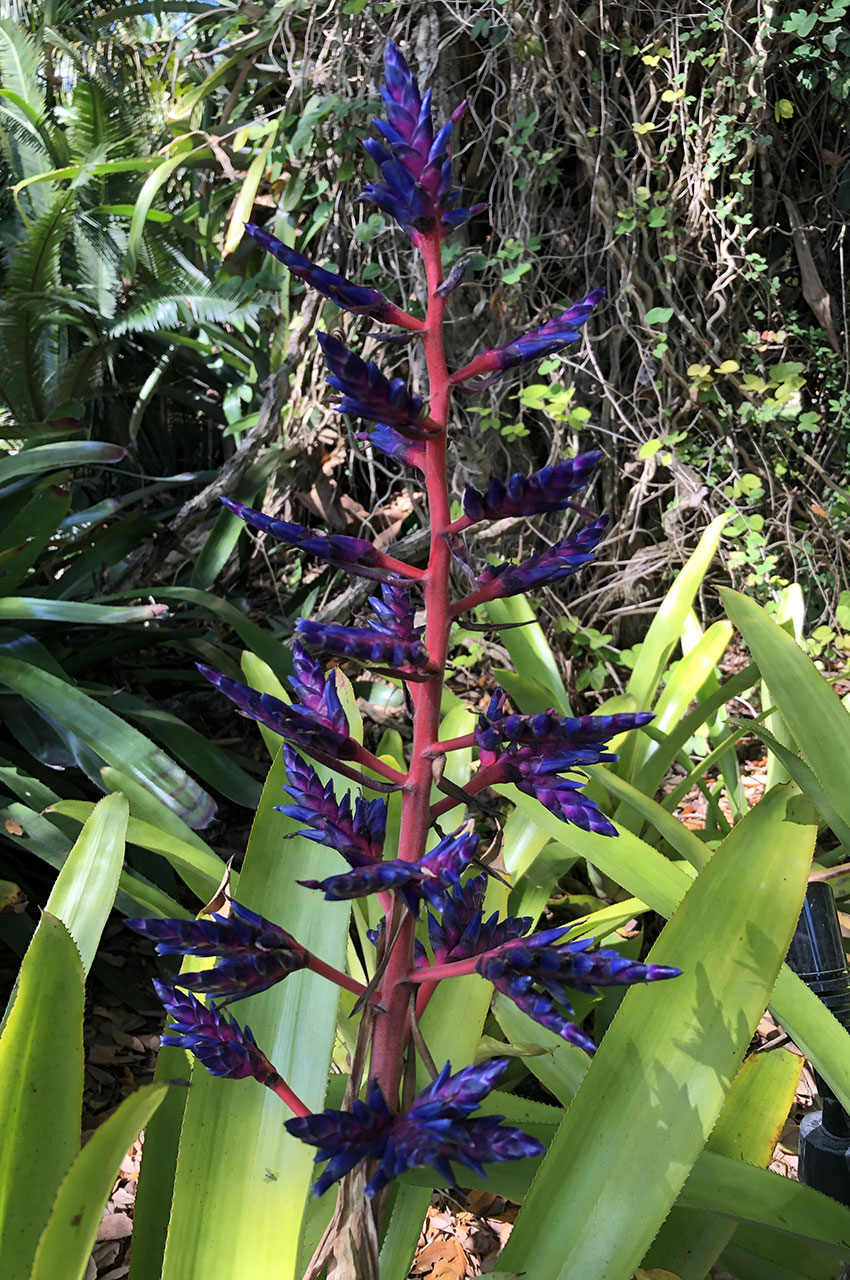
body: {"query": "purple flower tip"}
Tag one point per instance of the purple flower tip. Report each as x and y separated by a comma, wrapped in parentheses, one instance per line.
(557, 562)
(305, 728)
(370, 646)
(224, 1048)
(548, 490)
(554, 334)
(413, 159)
(431, 878)
(461, 931)
(253, 954)
(367, 393)
(438, 1128)
(357, 833)
(356, 555)
(536, 971)
(351, 297)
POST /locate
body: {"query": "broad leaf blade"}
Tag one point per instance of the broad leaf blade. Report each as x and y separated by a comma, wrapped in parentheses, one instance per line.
(665, 630)
(85, 888)
(530, 651)
(117, 743)
(41, 1089)
(240, 1177)
(66, 1244)
(661, 1074)
(747, 1128)
(820, 724)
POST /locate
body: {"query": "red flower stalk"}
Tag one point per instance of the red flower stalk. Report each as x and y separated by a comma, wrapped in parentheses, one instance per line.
(533, 752)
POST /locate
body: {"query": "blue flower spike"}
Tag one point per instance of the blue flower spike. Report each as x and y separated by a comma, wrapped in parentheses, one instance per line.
(252, 953)
(438, 1128)
(351, 297)
(536, 971)
(218, 1042)
(357, 833)
(542, 341)
(430, 878)
(414, 161)
(368, 393)
(355, 555)
(548, 490)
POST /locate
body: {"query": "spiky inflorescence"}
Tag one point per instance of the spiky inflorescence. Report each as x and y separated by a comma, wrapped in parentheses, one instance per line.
(351, 297)
(539, 342)
(533, 750)
(536, 971)
(548, 490)
(390, 640)
(429, 878)
(583, 735)
(253, 954)
(462, 931)
(224, 1048)
(439, 1127)
(544, 568)
(411, 453)
(356, 555)
(365, 645)
(295, 723)
(358, 833)
(316, 694)
(368, 393)
(413, 160)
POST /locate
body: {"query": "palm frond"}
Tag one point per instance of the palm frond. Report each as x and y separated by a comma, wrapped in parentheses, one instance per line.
(99, 247)
(191, 309)
(23, 149)
(19, 57)
(34, 264)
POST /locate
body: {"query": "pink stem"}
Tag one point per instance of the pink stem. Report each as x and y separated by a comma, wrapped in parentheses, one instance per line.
(434, 972)
(397, 566)
(452, 744)
(395, 315)
(335, 975)
(483, 778)
(486, 362)
(392, 1026)
(462, 522)
(283, 1091)
(369, 761)
(493, 591)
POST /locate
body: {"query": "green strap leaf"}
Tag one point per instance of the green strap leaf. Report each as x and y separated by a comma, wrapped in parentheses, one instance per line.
(50, 457)
(85, 888)
(29, 608)
(69, 1236)
(818, 721)
(240, 1176)
(200, 869)
(114, 741)
(530, 651)
(661, 1074)
(665, 630)
(748, 1127)
(41, 1090)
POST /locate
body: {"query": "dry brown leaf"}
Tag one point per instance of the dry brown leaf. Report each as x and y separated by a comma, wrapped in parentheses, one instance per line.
(115, 1226)
(441, 1260)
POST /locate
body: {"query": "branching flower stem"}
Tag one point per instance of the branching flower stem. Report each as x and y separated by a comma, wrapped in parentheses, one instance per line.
(335, 975)
(283, 1091)
(392, 1027)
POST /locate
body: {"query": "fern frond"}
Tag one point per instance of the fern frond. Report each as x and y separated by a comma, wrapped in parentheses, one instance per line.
(190, 309)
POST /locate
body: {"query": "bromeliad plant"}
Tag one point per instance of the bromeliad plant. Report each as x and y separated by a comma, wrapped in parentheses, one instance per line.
(391, 1130)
